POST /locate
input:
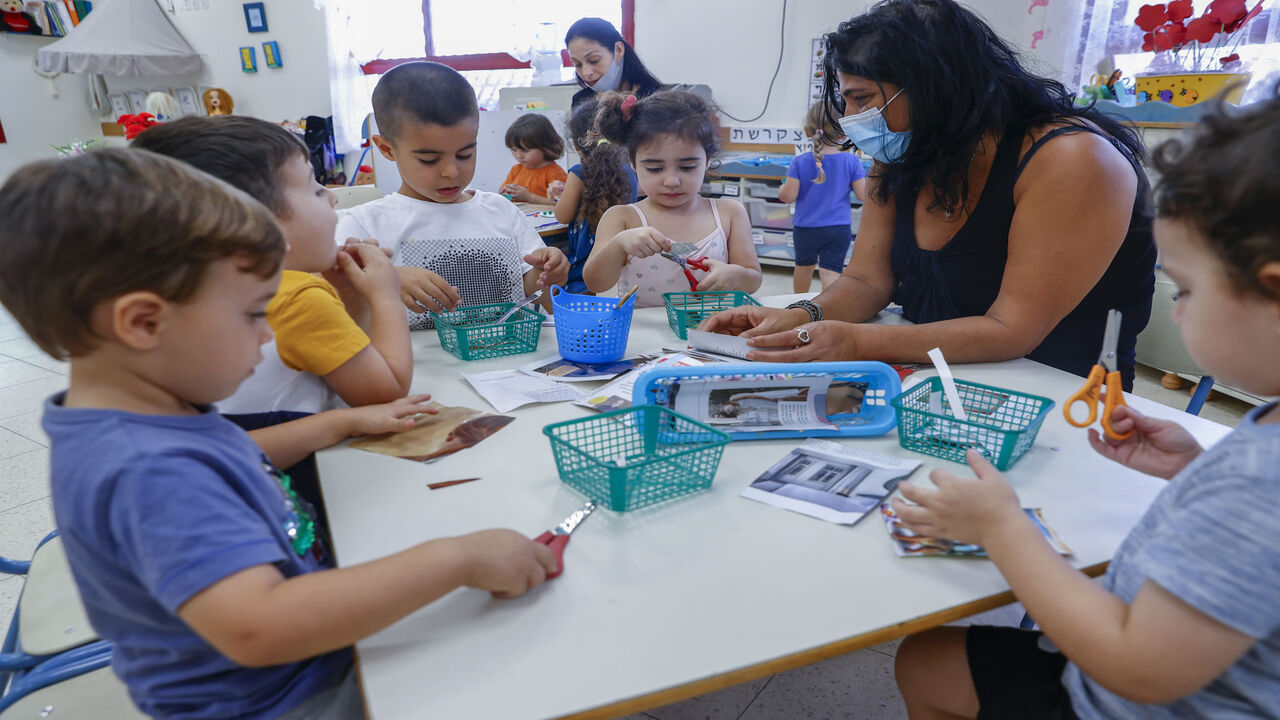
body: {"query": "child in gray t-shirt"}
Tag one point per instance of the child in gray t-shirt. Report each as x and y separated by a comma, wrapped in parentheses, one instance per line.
(1186, 622)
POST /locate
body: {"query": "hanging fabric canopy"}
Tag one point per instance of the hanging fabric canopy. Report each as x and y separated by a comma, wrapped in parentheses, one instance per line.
(122, 37)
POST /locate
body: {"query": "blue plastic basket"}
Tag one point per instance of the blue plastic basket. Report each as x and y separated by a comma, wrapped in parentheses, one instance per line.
(588, 328)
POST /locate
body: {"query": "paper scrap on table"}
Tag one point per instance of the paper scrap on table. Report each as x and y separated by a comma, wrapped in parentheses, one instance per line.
(434, 436)
(948, 387)
(830, 481)
(909, 544)
(507, 390)
(734, 346)
(616, 394)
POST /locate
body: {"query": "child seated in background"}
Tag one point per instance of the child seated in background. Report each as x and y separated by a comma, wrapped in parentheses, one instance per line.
(603, 179)
(818, 182)
(671, 136)
(1185, 623)
(536, 146)
(192, 554)
(321, 351)
(427, 122)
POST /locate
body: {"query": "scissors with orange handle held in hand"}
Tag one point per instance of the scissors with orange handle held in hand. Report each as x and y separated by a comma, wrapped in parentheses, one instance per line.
(557, 537)
(1103, 373)
(686, 263)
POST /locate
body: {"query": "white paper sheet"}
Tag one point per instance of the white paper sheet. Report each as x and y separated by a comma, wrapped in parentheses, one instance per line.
(507, 390)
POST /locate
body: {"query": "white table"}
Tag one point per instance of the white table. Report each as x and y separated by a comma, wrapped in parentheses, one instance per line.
(687, 597)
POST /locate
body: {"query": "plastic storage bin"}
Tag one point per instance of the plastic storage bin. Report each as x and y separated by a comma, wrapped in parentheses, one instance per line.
(687, 309)
(590, 329)
(470, 333)
(1002, 424)
(635, 457)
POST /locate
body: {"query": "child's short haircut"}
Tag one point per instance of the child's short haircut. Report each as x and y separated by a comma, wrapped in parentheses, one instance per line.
(84, 230)
(665, 112)
(422, 92)
(535, 132)
(1221, 177)
(246, 152)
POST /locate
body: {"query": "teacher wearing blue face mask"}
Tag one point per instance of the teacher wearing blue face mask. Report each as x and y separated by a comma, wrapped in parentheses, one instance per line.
(604, 61)
(1004, 220)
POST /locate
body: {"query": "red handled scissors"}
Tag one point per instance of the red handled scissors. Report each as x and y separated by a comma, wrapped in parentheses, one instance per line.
(1104, 372)
(557, 537)
(685, 264)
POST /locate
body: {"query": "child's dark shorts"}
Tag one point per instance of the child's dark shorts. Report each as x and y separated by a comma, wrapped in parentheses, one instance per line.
(825, 247)
(1016, 676)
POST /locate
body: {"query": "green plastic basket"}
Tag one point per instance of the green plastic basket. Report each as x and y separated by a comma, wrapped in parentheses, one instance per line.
(688, 309)
(637, 456)
(1002, 424)
(470, 333)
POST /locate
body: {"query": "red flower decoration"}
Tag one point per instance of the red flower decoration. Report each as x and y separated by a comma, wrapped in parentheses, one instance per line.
(1226, 12)
(1169, 37)
(1151, 17)
(1230, 58)
(1244, 19)
(1148, 42)
(1180, 10)
(1202, 29)
(135, 124)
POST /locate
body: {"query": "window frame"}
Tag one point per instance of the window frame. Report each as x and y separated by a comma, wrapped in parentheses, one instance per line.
(487, 61)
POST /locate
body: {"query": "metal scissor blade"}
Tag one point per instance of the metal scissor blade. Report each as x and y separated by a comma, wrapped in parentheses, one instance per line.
(1110, 341)
(674, 258)
(571, 523)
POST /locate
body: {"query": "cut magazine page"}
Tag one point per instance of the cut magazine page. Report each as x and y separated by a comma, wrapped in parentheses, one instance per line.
(507, 390)
(616, 395)
(761, 403)
(830, 481)
(909, 544)
(561, 370)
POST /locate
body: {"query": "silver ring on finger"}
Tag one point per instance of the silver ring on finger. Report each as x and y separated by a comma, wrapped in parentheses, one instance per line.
(802, 335)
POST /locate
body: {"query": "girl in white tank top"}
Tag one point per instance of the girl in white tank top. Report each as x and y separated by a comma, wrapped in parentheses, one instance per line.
(670, 136)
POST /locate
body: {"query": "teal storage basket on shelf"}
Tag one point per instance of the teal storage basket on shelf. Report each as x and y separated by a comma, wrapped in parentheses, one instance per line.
(470, 333)
(635, 457)
(688, 309)
(1002, 423)
(590, 329)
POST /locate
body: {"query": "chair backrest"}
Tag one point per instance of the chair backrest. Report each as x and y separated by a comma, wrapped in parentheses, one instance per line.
(352, 195)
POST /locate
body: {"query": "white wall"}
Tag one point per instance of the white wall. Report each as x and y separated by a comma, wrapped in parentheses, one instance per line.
(732, 45)
(33, 120)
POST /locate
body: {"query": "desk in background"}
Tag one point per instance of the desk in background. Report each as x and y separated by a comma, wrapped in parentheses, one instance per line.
(684, 598)
(544, 226)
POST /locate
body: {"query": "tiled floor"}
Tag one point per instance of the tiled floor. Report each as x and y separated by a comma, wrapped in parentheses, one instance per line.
(858, 685)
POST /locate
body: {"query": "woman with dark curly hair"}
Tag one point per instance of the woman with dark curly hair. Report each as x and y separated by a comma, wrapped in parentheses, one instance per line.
(1004, 220)
(603, 179)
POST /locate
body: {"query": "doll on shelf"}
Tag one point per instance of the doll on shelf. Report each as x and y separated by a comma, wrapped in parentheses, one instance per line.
(218, 102)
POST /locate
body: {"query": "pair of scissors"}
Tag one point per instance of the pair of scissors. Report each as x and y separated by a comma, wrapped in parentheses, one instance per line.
(685, 264)
(1104, 372)
(557, 537)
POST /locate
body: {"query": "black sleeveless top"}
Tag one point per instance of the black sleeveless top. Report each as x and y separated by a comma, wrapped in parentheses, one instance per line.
(962, 279)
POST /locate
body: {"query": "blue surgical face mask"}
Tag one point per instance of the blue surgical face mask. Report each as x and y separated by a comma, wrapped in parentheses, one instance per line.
(611, 79)
(872, 135)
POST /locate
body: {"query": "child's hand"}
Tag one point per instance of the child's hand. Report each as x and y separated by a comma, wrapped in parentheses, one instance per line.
(555, 190)
(552, 265)
(642, 242)
(335, 275)
(720, 276)
(960, 508)
(518, 193)
(1156, 447)
(422, 290)
(368, 269)
(505, 563)
(393, 417)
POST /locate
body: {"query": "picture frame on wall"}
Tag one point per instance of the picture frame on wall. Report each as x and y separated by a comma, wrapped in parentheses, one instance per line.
(248, 59)
(188, 101)
(255, 17)
(137, 101)
(271, 54)
(119, 105)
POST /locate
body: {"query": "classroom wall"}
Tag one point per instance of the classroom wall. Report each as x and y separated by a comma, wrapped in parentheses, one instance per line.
(33, 120)
(742, 36)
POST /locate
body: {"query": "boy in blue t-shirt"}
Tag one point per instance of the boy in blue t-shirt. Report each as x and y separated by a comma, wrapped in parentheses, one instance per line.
(818, 182)
(192, 553)
(1186, 622)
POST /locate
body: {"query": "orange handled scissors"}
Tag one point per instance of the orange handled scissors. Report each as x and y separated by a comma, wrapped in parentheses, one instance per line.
(557, 537)
(1104, 372)
(686, 263)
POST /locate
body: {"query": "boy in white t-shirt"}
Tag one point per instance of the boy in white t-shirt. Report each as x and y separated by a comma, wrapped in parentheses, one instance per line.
(452, 246)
